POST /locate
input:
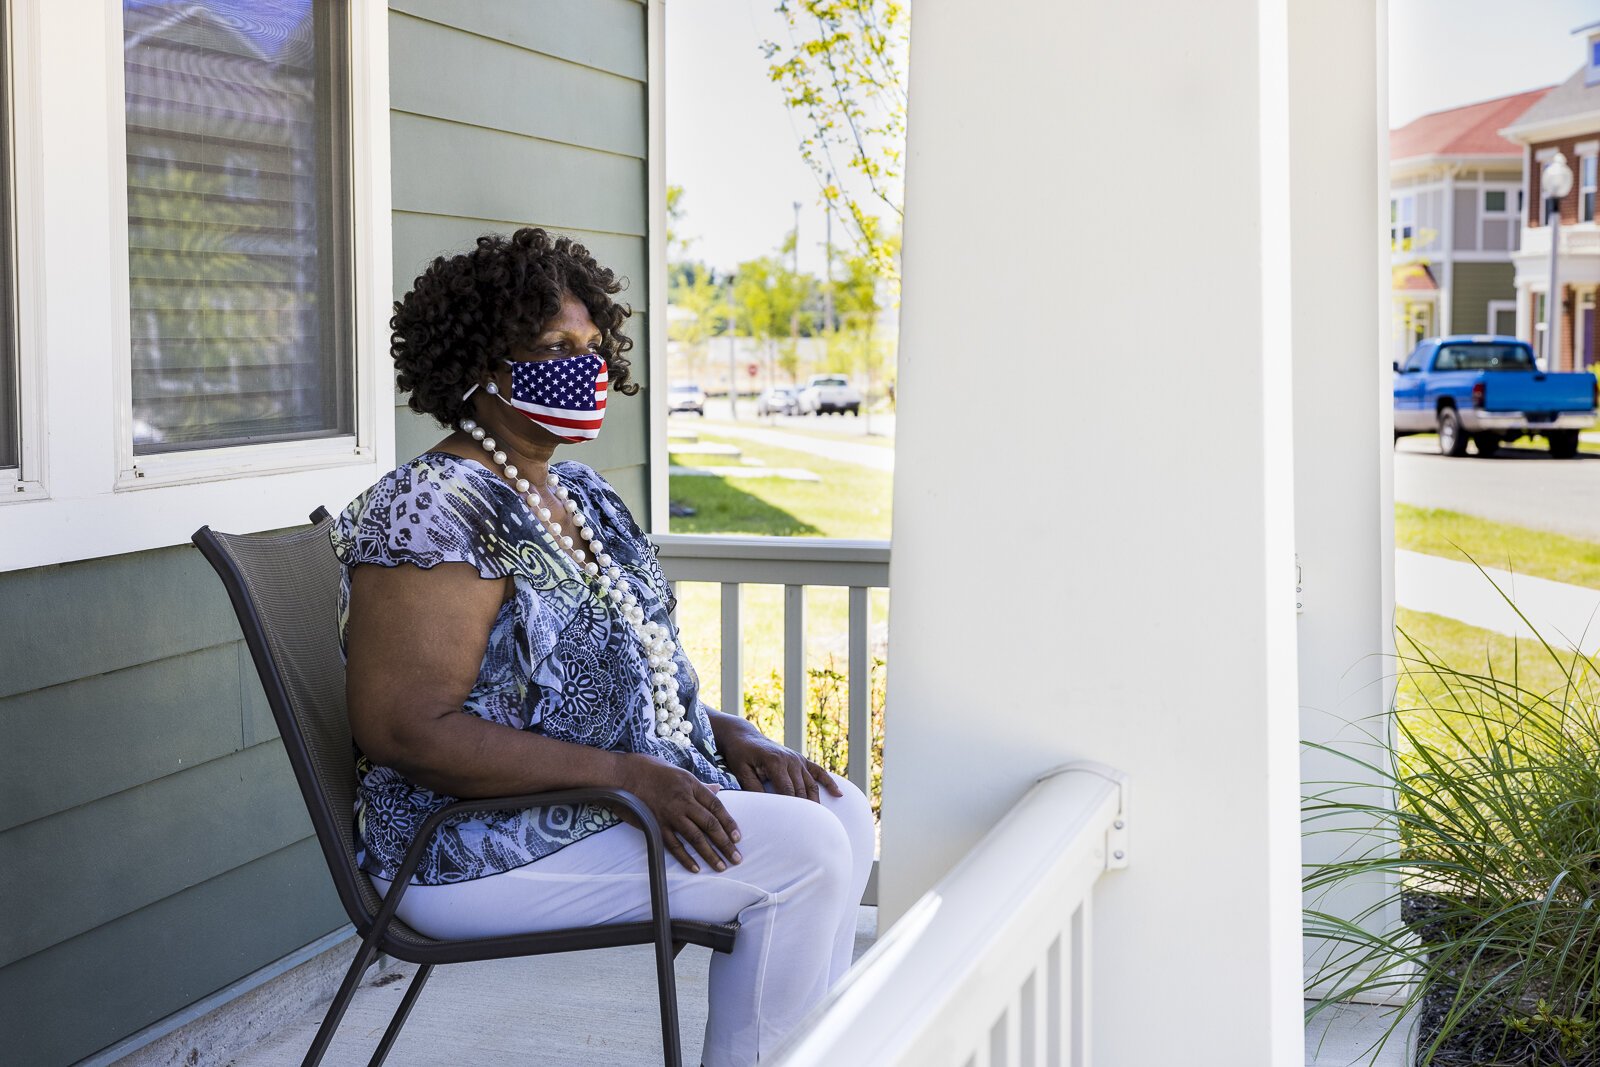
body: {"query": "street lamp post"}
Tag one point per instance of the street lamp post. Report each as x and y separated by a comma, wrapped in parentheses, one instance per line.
(1555, 182)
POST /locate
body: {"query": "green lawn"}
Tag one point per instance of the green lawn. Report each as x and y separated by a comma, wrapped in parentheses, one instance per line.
(849, 501)
(1525, 664)
(1495, 544)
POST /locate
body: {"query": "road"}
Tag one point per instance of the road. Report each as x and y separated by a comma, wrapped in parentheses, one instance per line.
(844, 425)
(1522, 486)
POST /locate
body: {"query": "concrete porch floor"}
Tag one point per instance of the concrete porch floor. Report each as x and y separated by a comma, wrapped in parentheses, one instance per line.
(556, 1009)
(1344, 1036)
(576, 1009)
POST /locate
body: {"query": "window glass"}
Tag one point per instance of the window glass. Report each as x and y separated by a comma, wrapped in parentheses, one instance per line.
(1497, 235)
(1484, 357)
(10, 415)
(1586, 185)
(238, 221)
(1494, 200)
(1466, 221)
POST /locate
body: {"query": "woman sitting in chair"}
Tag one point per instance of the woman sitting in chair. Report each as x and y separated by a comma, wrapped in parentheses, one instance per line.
(507, 630)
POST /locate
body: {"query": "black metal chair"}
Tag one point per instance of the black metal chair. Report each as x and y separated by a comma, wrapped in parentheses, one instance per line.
(285, 589)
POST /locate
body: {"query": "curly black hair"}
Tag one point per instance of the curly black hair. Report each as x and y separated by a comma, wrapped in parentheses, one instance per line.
(465, 313)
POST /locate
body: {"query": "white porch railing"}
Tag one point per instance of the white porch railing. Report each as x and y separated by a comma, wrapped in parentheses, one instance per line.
(794, 563)
(989, 967)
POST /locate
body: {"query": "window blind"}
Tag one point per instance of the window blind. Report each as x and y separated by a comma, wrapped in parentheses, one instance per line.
(238, 221)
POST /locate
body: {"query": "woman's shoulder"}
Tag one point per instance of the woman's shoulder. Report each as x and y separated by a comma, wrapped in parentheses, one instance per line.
(436, 508)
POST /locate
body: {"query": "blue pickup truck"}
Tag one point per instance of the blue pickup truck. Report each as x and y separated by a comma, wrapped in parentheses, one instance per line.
(1487, 390)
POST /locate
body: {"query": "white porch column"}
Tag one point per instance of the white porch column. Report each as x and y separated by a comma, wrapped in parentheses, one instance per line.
(1343, 412)
(1094, 499)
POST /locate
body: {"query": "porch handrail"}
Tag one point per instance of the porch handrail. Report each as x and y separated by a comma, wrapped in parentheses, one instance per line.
(773, 560)
(990, 966)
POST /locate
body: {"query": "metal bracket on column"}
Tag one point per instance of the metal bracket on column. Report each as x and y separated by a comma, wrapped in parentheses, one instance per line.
(1117, 848)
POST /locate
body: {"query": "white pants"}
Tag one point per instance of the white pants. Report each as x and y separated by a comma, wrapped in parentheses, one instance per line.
(795, 895)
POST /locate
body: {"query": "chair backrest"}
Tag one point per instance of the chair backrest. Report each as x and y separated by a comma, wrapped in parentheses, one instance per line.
(285, 591)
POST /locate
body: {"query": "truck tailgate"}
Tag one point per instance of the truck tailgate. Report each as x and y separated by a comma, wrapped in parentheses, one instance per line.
(1522, 391)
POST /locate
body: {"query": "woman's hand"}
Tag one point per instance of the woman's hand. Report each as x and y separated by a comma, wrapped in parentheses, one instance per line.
(754, 758)
(686, 808)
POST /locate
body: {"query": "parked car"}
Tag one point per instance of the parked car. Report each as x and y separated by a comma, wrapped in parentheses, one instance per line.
(686, 396)
(779, 400)
(829, 393)
(1487, 390)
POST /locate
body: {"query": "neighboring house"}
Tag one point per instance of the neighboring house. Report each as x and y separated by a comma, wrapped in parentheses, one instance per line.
(1567, 120)
(1454, 202)
(211, 206)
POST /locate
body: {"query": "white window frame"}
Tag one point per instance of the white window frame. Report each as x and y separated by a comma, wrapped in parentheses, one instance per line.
(1493, 308)
(25, 482)
(1586, 152)
(1508, 214)
(86, 495)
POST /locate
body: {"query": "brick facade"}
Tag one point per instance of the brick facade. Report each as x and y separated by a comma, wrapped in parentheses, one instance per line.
(1569, 203)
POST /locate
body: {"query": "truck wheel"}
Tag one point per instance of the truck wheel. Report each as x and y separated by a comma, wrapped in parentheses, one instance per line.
(1563, 443)
(1452, 441)
(1487, 444)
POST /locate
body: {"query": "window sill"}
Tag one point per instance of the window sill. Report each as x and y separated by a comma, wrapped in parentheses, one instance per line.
(217, 464)
(42, 530)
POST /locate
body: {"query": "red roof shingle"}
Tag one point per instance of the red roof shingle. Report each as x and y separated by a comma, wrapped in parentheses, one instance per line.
(1473, 130)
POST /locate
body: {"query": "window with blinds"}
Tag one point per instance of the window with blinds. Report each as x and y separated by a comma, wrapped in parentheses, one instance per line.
(238, 221)
(10, 408)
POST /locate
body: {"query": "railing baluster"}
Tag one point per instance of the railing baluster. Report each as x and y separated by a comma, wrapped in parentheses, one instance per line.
(732, 650)
(794, 667)
(859, 765)
(1080, 985)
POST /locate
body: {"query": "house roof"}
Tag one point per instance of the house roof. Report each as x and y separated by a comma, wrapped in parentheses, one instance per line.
(1417, 278)
(1471, 130)
(1570, 101)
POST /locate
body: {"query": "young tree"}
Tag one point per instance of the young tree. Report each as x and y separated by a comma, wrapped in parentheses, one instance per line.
(843, 72)
(695, 311)
(857, 347)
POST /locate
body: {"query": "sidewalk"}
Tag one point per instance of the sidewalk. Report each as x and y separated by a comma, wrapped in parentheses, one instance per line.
(874, 456)
(1567, 616)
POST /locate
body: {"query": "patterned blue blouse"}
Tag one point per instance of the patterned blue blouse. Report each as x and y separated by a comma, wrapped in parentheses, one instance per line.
(559, 662)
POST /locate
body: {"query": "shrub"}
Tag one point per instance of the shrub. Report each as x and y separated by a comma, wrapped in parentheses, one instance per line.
(1491, 835)
(827, 718)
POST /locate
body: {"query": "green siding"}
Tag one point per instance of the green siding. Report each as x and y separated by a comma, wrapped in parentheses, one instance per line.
(1473, 286)
(81, 995)
(543, 122)
(153, 845)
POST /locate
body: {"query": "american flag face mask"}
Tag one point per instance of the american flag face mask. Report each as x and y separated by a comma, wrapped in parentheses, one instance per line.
(566, 396)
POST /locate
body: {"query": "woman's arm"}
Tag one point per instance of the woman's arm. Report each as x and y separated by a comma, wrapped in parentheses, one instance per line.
(415, 641)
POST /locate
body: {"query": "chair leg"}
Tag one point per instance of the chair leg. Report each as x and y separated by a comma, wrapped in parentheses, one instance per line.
(400, 1015)
(667, 987)
(341, 1000)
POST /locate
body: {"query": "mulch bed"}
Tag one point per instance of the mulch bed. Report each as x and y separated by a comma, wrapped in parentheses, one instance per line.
(1482, 1039)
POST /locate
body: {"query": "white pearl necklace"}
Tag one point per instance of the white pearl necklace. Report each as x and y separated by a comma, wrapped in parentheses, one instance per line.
(671, 721)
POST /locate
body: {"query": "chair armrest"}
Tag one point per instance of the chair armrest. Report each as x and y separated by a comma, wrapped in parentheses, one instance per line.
(655, 851)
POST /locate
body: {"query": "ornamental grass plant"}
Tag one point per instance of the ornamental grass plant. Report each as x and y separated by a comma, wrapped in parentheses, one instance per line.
(1488, 831)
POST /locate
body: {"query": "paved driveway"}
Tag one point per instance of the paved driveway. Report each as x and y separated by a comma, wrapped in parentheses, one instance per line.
(1523, 486)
